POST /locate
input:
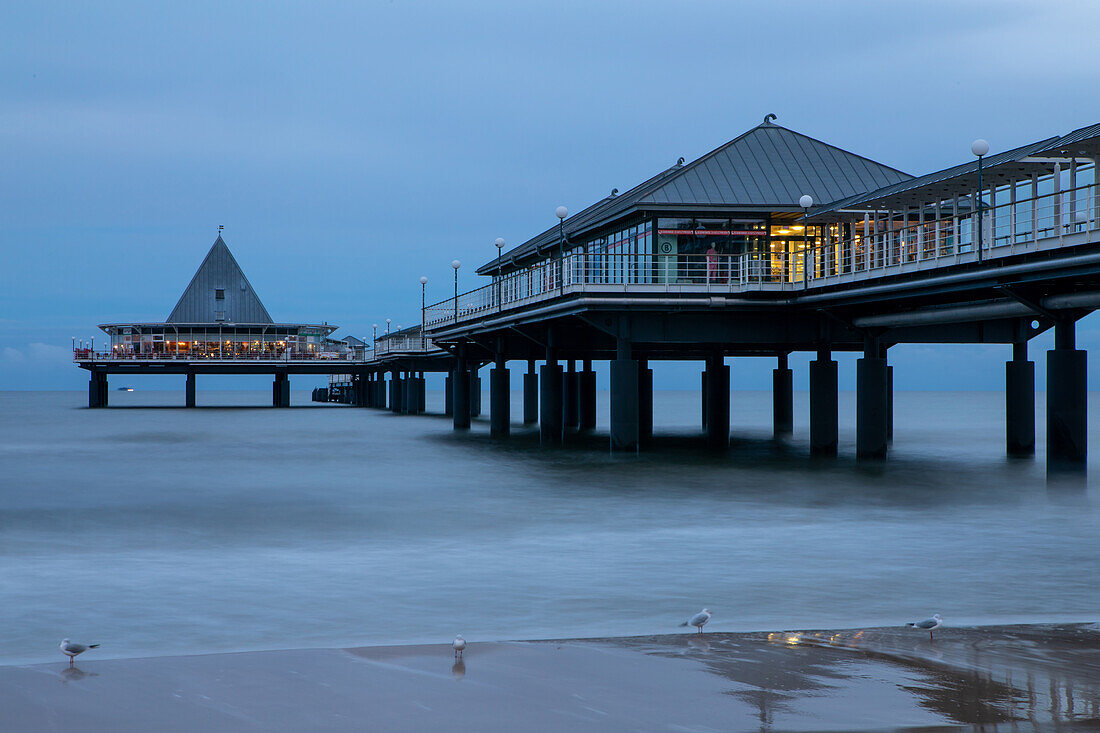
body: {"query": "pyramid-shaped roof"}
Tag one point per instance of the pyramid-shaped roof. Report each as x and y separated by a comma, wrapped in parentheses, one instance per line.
(770, 166)
(767, 168)
(219, 271)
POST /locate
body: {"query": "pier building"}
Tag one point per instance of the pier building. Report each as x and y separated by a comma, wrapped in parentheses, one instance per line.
(777, 242)
(218, 326)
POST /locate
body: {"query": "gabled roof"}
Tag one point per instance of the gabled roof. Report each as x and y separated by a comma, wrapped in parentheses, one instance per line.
(219, 271)
(767, 168)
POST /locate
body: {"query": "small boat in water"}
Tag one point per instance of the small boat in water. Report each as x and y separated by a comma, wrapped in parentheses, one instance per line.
(125, 389)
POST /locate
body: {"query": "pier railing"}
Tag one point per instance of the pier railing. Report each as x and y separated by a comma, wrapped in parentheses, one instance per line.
(90, 355)
(403, 344)
(879, 246)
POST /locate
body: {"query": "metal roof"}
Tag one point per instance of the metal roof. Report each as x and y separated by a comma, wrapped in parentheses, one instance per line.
(1084, 141)
(767, 168)
(943, 184)
(219, 271)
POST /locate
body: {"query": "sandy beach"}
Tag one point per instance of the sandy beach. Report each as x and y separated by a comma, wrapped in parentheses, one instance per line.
(1018, 677)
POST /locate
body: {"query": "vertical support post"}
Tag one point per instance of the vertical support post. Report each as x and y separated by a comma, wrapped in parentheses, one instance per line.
(189, 390)
(624, 399)
(703, 398)
(718, 401)
(1020, 402)
(571, 397)
(871, 422)
(782, 397)
(823, 404)
(460, 389)
(500, 406)
(406, 393)
(280, 388)
(1067, 409)
(395, 391)
(550, 402)
(587, 397)
(530, 394)
(448, 395)
(645, 403)
(475, 393)
(889, 400)
(421, 394)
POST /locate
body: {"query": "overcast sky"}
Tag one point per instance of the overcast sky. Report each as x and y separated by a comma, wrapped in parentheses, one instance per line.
(350, 148)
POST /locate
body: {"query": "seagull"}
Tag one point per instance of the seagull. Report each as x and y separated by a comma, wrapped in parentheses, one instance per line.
(928, 624)
(699, 620)
(71, 648)
(459, 645)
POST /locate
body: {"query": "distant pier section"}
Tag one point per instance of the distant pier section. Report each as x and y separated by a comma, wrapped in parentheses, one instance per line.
(219, 326)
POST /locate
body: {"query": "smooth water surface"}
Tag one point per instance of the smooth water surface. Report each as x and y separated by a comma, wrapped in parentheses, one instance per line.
(161, 530)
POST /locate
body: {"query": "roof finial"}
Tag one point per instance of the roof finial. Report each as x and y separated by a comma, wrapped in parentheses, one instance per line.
(220, 227)
(769, 117)
(614, 192)
(680, 160)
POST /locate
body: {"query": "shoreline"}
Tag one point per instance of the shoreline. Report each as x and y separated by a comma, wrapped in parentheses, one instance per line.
(841, 679)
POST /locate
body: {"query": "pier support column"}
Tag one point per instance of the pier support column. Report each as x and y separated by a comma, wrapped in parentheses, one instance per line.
(380, 390)
(280, 390)
(889, 401)
(448, 395)
(871, 404)
(460, 390)
(1020, 402)
(530, 394)
(782, 398)
(189, 390)
(718, 401)
(645, 403)
(407, 392)
(97, 389)
(571, 397)
(587, 396)
(475, 393)
(625, 432)
(500, 403)
(1067, 409)
(551, 416)
(823, 405)
(421, 394)
(395, 391)
(703, 397)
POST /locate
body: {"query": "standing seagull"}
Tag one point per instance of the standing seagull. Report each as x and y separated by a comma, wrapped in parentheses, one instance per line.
(928, 624)
(71, 648)
(699, 620)
(459, 645)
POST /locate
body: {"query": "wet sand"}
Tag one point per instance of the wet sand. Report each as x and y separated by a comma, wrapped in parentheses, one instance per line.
(1011, 678)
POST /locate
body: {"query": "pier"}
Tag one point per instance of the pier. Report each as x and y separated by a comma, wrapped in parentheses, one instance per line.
(776, 243)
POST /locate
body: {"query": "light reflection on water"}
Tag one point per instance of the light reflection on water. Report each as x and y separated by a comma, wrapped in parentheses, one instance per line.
(160, 531)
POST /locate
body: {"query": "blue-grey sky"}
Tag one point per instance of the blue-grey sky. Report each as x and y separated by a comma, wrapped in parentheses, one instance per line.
(350, 148)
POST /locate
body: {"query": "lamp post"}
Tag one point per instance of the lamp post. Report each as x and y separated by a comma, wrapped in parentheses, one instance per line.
(423, 290)
(806, 201)
(456, 264)
(500, 250)
(561, 212)
(388, 326)
(979, 148)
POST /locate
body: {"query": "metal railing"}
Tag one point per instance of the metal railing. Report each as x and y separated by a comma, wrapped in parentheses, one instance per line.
(89, 355)
(402, 344)
(877, 248)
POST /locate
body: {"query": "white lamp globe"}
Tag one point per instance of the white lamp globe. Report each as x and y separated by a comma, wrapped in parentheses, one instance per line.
(423, 280)
(499, 242)
(979, 147)
(387, 321)
(456, 264)
(561, 212)
(806, 201)
(374, 325)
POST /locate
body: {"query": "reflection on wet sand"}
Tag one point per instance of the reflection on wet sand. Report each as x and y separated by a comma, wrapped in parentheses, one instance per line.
(972, 676)
(75, 674)
(459, 669)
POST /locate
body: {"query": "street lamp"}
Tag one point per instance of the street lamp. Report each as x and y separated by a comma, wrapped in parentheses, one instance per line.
(456, 264)
(374, 338)
(387, 326)
(423, 286)
(500, 250)
(979, 148)
(806, 201)
(561, 212)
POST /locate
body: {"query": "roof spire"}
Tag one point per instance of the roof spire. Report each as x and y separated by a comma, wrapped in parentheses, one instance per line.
(220, 227)
(768, 118)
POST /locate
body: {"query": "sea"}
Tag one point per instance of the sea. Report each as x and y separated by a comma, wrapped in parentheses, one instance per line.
(156, 530)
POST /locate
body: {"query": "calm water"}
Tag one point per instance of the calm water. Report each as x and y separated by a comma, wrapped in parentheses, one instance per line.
(161, 531)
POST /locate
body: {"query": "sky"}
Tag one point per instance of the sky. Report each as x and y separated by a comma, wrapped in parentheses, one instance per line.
(350, 148)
